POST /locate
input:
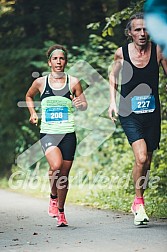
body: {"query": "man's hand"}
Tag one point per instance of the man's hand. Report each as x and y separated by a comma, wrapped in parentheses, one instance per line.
(112, 112)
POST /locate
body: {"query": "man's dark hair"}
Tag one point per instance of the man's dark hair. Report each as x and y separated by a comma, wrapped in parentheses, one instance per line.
(138, 15)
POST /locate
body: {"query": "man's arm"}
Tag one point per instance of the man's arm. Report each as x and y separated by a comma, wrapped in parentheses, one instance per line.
(164, 65)
(161, 59)
(113, 81)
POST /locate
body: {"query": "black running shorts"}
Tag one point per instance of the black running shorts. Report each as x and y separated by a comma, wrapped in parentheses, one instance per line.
(142, 126)
(65, 142)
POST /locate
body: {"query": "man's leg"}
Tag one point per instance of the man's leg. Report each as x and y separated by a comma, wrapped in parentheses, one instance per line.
(140, 176)
(141, 166)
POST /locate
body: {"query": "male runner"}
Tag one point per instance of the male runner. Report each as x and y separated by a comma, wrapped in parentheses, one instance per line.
(139, 106)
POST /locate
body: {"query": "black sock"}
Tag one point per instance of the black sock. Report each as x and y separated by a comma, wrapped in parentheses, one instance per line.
(61, 210)
(53, 196)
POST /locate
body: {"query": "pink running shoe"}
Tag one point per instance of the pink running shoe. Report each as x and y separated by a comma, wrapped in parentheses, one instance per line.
(53, 208)
(61, 220)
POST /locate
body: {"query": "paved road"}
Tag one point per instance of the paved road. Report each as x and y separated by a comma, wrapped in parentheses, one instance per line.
(26, 227)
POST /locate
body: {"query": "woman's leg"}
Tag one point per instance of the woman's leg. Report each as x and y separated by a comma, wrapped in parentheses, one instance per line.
(62, 183)
(55, 160)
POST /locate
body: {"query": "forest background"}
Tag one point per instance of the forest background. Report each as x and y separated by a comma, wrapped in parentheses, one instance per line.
(91, 31)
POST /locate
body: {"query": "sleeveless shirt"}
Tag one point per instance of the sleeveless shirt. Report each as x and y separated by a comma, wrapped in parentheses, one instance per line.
(148, 75)
(57, 109)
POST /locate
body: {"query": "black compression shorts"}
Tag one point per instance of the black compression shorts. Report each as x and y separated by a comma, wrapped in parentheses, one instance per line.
(65, 142)
(142, 127)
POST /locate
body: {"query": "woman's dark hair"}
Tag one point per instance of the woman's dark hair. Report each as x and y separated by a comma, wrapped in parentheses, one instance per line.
(59, 47)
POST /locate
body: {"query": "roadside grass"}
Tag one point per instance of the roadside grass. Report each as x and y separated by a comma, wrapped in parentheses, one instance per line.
(118, 201)
(94, 196)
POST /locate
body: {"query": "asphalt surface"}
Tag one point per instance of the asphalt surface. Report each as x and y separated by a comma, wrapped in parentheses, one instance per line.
(26, 227)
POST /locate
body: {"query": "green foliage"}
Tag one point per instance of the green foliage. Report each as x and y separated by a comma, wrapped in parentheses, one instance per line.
(160, 161)
(90, 53)
(28, 29)
(117, 18)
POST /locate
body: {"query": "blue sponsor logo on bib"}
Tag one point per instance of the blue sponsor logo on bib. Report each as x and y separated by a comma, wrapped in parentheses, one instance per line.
(143, 104)
(56, 114)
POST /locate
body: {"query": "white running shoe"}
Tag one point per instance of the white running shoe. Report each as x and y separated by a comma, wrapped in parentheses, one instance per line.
(141, 217)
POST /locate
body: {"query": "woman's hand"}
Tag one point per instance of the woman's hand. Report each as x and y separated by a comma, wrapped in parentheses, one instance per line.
(34, 119)
(77, 102)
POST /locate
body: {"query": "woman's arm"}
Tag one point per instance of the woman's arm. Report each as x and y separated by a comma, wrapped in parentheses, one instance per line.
(78, 99)
(32, 91)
